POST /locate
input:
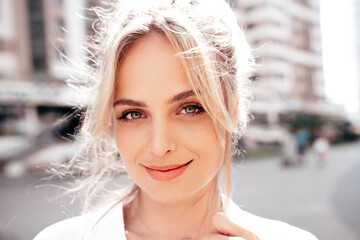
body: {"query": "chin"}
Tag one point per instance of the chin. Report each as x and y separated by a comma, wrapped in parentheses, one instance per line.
(175, 193)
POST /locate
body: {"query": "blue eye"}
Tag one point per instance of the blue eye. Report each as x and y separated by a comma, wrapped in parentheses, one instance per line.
(192, 109)
(131, 115)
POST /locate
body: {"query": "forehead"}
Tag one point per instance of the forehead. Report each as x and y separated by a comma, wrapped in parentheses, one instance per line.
(153, 50)
(150, 65)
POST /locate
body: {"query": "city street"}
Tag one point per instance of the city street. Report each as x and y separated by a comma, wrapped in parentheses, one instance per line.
(324, 200)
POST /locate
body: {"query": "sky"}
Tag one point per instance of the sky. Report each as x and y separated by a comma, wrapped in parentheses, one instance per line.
(341, 84)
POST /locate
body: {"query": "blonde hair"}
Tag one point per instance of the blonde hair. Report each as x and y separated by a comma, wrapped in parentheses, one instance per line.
(215, 56)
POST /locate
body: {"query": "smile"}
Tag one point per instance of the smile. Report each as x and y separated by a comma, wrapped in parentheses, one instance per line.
(166, 173)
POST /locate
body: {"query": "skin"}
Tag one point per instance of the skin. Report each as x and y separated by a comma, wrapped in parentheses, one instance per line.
(160, 122)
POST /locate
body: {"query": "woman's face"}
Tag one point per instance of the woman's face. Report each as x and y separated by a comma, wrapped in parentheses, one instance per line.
(165, 138)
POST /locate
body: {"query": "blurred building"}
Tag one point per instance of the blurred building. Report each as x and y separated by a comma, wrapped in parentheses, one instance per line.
(356, 13)
(36, 37)
(285, 36)
(355, 117)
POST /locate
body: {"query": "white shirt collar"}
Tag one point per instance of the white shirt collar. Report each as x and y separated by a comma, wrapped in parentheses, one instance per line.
(109, 223)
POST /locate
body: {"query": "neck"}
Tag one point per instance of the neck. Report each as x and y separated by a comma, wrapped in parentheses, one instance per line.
(186, 219)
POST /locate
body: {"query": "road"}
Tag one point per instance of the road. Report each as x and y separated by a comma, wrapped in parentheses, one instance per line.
(324, 200)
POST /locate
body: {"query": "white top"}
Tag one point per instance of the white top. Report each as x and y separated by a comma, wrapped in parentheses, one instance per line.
(108, 224)
(321, 145)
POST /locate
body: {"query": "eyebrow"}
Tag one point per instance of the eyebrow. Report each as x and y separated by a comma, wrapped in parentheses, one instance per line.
(181, 96)
(129, 102)
(178, 97)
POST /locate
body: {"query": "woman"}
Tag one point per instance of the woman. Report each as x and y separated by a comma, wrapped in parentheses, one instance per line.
(171, 90)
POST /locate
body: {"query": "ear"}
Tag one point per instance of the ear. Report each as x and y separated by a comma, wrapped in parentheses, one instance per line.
(235, 110)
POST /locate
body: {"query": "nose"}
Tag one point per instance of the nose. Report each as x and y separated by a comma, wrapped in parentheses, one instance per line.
(162, 141)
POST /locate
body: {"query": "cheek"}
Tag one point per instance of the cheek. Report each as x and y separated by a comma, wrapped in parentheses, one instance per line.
(198, 137)
(201, 139)
(128, 140)
(201, 135)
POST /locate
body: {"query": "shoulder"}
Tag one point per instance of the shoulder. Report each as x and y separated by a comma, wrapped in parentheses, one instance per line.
(102, 224)
(267, 229)
(277, 230)
(69, 229)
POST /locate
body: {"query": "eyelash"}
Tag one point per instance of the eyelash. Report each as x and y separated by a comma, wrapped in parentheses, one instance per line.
(127, 112)
(198, 111)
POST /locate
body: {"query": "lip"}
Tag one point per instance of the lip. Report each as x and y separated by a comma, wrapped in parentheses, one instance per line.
(166, 173)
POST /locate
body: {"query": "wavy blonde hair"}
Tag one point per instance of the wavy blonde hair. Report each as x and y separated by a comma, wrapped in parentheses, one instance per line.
(215, 56)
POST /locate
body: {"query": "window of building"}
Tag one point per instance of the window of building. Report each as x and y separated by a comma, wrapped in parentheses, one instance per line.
(58, 24)
(250, 26)
(303, 2)
(37, 35)
(249, 8)
(301, 34)
(59, 2)
(259, 118)
(304, 83)
(60, 53)
(2, 44)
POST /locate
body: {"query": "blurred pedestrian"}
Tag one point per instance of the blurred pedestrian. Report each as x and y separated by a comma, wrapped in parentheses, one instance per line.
(288, 150)
(321, 147)
(302, 139)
